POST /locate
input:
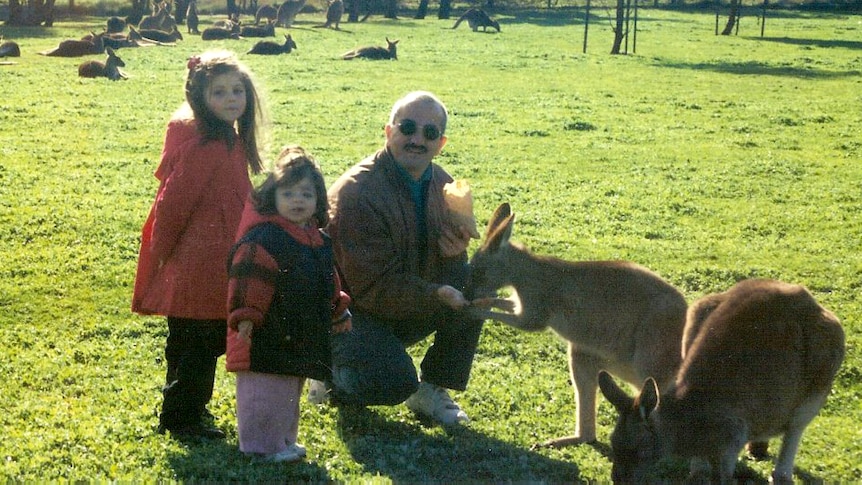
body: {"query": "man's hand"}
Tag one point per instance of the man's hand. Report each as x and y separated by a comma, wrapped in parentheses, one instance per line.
(244, 331)
(452, 242)
(452, 297)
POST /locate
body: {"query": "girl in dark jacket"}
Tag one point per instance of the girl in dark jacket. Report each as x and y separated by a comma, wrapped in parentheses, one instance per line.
(284, 299)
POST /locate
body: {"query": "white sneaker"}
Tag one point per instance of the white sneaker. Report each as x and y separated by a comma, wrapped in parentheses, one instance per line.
(318, 392)
(290, 455)
(298, 449)
(434, 402)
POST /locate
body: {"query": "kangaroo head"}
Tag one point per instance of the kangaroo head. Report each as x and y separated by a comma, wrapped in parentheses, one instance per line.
(635, 443)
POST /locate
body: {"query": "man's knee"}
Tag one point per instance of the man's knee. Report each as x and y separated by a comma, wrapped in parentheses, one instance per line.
(384, 387)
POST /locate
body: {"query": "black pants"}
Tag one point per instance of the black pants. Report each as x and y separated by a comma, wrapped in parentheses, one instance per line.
(192, 351)
(371, 366)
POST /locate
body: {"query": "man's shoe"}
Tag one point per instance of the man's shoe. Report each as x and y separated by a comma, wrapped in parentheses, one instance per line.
(434, 402)
(198, 430)
(318, 391)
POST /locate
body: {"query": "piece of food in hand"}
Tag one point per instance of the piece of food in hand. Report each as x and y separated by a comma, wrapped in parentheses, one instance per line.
(459, 201)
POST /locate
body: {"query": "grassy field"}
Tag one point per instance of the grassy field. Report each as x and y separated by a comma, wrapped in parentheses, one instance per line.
(708, 159)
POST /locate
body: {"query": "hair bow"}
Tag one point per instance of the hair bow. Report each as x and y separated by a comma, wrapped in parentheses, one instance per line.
(194, 61)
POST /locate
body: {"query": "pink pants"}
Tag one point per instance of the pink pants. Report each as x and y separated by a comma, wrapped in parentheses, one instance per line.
(267, 411)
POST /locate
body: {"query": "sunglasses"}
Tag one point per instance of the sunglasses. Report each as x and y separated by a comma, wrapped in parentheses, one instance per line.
(408, 128)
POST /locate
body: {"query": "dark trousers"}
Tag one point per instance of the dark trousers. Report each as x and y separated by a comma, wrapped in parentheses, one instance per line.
(191, 351)
(371, 365)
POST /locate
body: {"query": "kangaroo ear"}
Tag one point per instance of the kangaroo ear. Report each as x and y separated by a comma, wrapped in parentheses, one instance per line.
(612, 392)
(499, 228)
(648, 400)
(497, 218)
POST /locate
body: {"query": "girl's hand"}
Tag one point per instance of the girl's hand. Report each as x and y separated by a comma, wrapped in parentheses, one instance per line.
(452, 297)
(244, 331)
(453, 243)
(343, 327)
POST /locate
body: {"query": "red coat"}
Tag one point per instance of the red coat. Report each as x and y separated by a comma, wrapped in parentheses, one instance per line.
(182, 267)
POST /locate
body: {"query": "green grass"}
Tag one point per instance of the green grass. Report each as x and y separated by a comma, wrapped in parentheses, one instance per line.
(708, 159)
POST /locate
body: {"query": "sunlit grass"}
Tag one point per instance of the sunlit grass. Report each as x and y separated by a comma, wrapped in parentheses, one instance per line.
(708, 159)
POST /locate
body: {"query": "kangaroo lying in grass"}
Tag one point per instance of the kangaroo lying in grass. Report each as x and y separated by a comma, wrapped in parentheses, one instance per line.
(109, 69)
(761, 362)
(268, 47)
(373, 52)
(615, 315)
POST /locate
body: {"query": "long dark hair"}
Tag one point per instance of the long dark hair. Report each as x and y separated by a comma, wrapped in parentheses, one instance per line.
(293, 165)
(202, 69)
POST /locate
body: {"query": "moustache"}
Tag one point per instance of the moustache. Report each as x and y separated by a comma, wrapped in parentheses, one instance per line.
(416, 148)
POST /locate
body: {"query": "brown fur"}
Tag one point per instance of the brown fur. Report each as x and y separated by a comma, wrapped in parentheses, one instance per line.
(268, 47)
(616, 315)
(286, 13)
(373, 52)
(760, 361)
(109, 69)
(78, 48)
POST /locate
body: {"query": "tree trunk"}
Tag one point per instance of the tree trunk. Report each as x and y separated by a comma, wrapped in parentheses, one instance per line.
(31, 13)
(422, 11)
(618, 30)
(445, 9)
(391, 9)
(732, 19)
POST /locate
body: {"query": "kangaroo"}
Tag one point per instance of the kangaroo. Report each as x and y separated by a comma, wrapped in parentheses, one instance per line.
(333, 15)
(156, 35)
(268, 47)
(615, 315)
(762, 360)
(115, 25)
(266, 12)
(267, 30)
(477, 18)
(109, 69)
(286, 13)
(78, 48)
(9, 49)
(218, 33)
(373, 52)
(232, 23)
(192, 19)
(161, 12)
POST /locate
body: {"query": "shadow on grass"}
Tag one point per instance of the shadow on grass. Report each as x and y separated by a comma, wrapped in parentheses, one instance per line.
(761, 69)
(408, 453)
(214, 461)
(827, 44)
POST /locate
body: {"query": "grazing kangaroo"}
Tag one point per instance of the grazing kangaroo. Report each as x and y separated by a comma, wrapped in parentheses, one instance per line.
(615, 315)
(333, 15)
(109, 69)
(477, 18)
(373, 52)
(78, 48)
(192, 18)
(761, 363)
(9, 49)
(286, 13)
(269, 48)
(267, 30)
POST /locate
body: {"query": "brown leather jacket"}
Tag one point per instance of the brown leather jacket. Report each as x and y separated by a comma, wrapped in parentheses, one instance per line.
(374, 234)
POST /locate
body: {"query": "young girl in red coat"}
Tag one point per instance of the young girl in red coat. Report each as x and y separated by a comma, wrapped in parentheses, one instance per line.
(210, 145)
(284, 300)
